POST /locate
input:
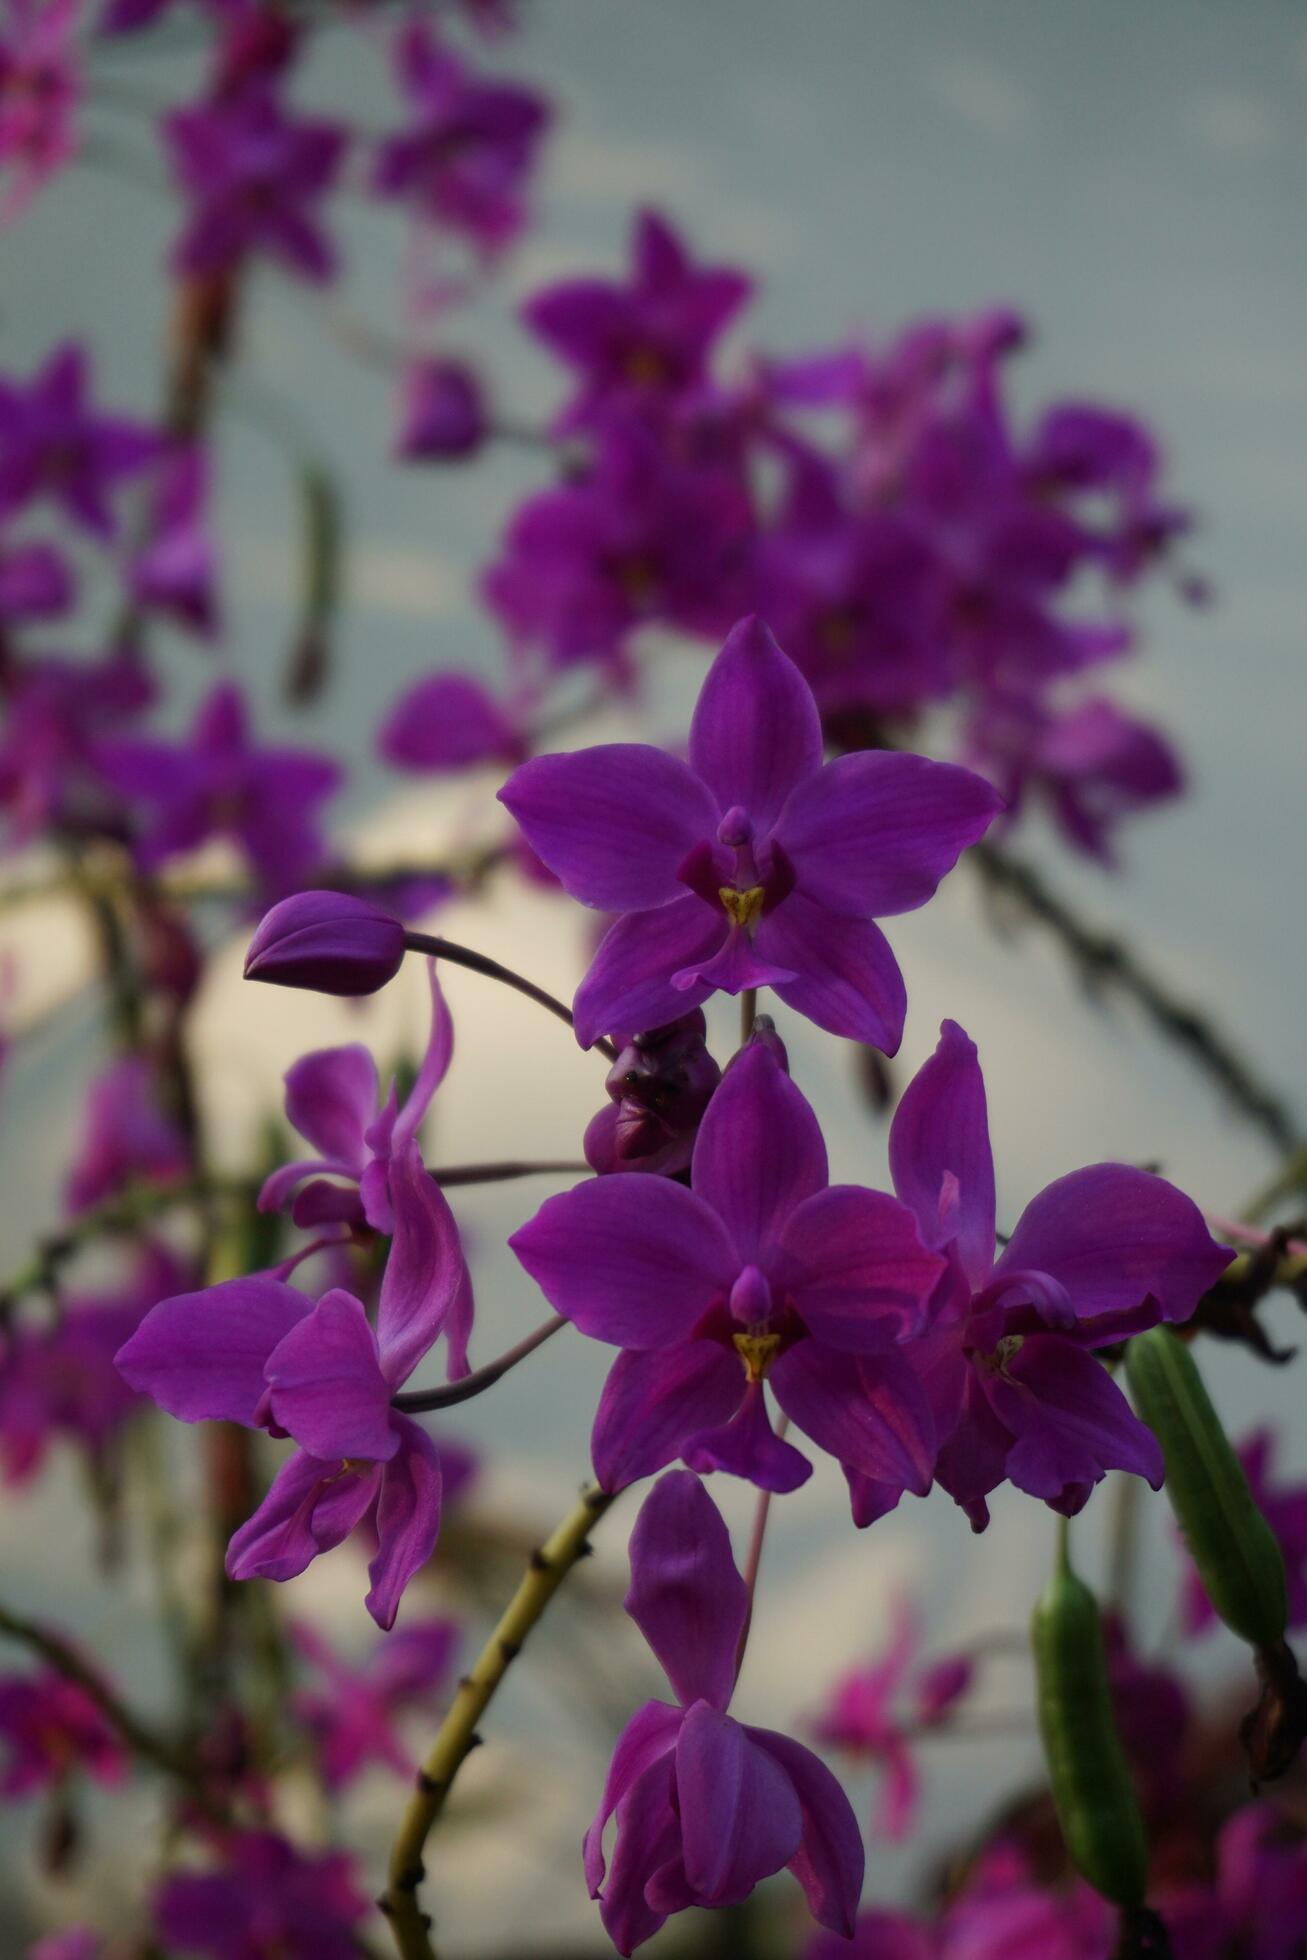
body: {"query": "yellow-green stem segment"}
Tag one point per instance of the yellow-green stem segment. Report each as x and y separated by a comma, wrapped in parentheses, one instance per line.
(550, 1565)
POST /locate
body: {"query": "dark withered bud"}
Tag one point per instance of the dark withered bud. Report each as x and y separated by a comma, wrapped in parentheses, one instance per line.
(659, 1088)
(1274, 1731)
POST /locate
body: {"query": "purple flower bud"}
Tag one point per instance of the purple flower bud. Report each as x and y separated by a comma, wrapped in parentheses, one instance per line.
(659, 1087)
(442, 412)
(327, 941)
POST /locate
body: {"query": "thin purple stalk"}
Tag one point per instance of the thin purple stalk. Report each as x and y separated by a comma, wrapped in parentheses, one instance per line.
(754, 1560)
(447, 949)
(420, 1401)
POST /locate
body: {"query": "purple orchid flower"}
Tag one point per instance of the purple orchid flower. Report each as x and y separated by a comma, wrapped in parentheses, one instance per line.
(260, 1353)
(760, 1273)
(219, 783)
(175, 572)
(333, 1100)
(706, 1808)
(269, 1897)
(57, 714)
(443, 415)
(53, 444)
(40, 98)
(351, 1717)
(1099, 1255)
(865, 1715)
(60, 1381)
(49, 1725)
(255, 178)
(36, 582)
(1284, 1506)
(466, 161)
(641, 536)
(752, 864)
(658, 1089)
(1005, 1914)
(641, 344)
(446, 722)
(128, 1134)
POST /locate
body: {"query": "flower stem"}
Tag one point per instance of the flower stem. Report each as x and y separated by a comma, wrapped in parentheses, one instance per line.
(446, 949)
(748, 1013)
(753, 1561)
(549, 1566)
(137, 1205)
(421, 1401)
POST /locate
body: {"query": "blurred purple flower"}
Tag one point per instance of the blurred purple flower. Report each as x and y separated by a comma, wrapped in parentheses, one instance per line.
(260, 1353)
(218, 783)
(40, 98)
(448, 721)
(127, 1134)
(442, 412)
(269, 1897)
(1100, 1254)
(658, 1088)
(760, 1273)
(752, 864)
(36, 582)
(57, 712)
(255, 178)
(707, 1808)
(640, 344)
(351, 1716)
(175, 571)
(54, 444)
(466, 160)
(50, 1726)
(1284, 1506)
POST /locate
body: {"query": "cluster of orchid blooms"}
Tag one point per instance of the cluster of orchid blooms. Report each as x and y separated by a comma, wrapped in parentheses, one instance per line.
(929, 574)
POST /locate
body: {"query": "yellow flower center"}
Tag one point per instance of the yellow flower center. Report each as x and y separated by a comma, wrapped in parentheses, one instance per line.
(745, 908)
(757, 1352)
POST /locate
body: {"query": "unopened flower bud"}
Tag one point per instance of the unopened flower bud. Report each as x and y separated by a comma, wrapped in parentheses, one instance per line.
(330, 942)
(659, 1086)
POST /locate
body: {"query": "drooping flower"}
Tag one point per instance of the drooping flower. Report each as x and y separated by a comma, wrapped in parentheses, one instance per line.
(333, 1100)
(219, 782)
(466, 161)
(255, 178)
(128, 1134)
(54, 444)
(49, 1726)
(638, 345)
(658, 1089)
(753, 864)
(706, 1807)
(351, 1716)
(258, 1352)
(267, 1897)
(869, 1708)
(1284, 1506)
(175, 571)
(1008, 1364)
(40, 98)
(328, 942)
(761, 1274)
(447, 722)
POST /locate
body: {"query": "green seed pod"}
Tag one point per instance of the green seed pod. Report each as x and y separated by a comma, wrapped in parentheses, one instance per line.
(1087, 1771)
(1229, 1540)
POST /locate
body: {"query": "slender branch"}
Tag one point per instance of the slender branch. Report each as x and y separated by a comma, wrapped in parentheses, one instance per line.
(446, 949)
(450, 1175)
(1106, 961)
(140, 1739)
(122, 1213)
(753, 1560)
(748, 1013)
(549, 1566)
(420, 1401)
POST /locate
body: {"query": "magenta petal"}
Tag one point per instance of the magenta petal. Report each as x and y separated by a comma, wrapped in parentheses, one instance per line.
(849, 981)
(310, 1507)
(408, 1519)
(435, 1067)
(648, 1835)
(425, 1274)
(201, 1356)
(747, 1446)
(869, 1411)
(648, 1737)
(740, 1816)
(631, 983)
(855, 1267)
(941, 1131)
(331, 1098)
(830, 1860)
(327, 1388)
(654, 1400)
(756, 731)
(686, 1596)
(613, 823)
(759, 1151)
(634, 1260)
(873, 833)
(733, 967)
(1114, 1237)
(1071, 1422)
